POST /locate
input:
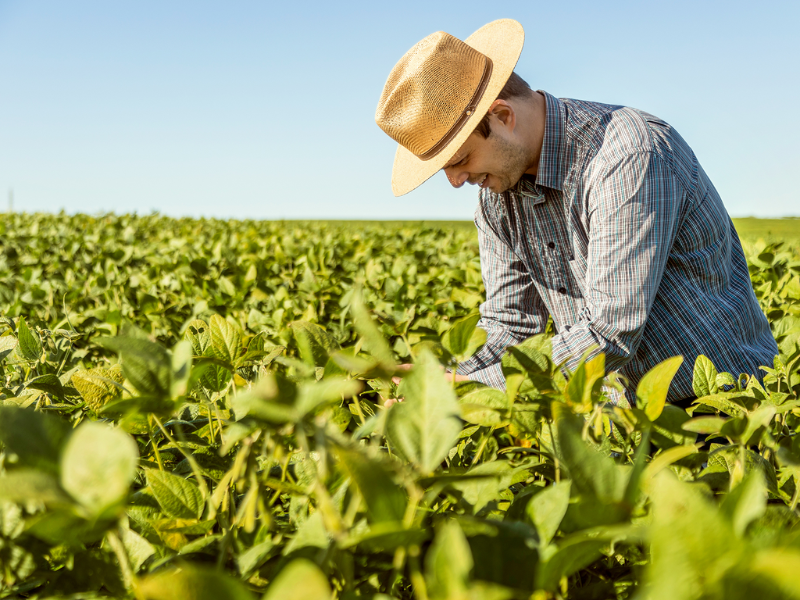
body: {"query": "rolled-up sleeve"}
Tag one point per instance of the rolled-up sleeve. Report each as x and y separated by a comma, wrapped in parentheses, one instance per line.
(634, 206)
(513, 310)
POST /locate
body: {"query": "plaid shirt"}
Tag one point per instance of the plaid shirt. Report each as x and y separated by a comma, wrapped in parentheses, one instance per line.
(623, 240)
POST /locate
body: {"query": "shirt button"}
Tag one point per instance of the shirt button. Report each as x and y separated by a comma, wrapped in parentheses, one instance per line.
(551, 245)
(562, 290)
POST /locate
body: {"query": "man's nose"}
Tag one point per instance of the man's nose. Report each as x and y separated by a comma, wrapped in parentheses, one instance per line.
(456, 178)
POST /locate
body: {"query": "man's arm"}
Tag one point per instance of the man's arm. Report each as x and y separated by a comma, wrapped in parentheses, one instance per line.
(634, 207)
(513, 310)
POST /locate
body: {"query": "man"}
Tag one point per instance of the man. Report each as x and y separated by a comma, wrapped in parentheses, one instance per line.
(599, 216)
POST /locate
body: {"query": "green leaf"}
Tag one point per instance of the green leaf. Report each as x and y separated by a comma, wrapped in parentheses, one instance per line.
(485, 406)
(547, 508)
(569, 558)
(780, 567)
(98, 386)
(34, 437)
(205, 544)
(272, 400)
(448, 563)
(177, 497)
(704, 380)
(583, 387)
(651, 393)
(705, 424)
(504, 553)
(24, 485)
(760, 417)
(299, 580)
(464, 338)
(312, 395)
(487, 481)
(254, 557)
(7, 344)
(310, 534)
(599, 482)
(746, 502)
(315, 344)
(198, 334)
(30, 346)
(181, 369)
(385, 500)
(98, 465)
(531, 356)
(386, 537)
(211, 372)
(591, 472)
(137, 548)
(47, 383)
(374, 342)
(189, 582)
(66, 527)
(666, 458)
(226, 340)
(691, 543)
(725, 379)
(145, 364)
(425, 427)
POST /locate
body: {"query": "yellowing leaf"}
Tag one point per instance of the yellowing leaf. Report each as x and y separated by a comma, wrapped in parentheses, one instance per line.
(98, 386)
(651, 393)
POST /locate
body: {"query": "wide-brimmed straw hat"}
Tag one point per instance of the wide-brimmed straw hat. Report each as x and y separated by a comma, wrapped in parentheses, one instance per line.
(439, 91)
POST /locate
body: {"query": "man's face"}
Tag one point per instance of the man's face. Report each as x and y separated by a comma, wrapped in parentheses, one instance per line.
(497, 162)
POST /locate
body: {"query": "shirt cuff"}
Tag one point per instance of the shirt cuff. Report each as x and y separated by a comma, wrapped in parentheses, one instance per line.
(491, 376)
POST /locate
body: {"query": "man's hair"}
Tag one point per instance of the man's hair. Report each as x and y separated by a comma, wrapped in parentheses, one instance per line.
(515, 87)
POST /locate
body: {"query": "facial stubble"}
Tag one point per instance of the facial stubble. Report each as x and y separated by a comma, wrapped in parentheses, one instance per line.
(513, 159)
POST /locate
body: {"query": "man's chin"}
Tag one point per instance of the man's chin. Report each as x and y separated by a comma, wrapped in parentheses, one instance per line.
(503, 187)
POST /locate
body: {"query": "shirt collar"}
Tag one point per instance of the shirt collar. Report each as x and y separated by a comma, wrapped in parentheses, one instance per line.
(551, 162)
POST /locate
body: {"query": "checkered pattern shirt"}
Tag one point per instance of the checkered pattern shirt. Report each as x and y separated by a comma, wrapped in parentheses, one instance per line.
(622, 239)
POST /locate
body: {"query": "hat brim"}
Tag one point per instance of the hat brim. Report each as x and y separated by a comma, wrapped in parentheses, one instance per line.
(501, 41)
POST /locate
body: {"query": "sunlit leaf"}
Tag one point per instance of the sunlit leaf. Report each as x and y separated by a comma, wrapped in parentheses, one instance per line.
(424, 427)
(97, 466)
(190, 582)
(176, 496)
(30, 345)
(651, 393)
(299, 580)
(547, 508)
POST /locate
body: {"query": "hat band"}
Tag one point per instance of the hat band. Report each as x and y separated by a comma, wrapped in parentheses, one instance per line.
(462, 120)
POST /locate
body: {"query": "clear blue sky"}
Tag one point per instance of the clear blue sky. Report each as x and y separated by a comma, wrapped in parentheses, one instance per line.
(265, 109)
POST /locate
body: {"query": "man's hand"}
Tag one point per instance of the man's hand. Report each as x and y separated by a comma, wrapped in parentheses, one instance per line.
(405, 368)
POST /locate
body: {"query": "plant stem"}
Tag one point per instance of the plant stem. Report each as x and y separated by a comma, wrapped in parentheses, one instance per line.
(211, 425)
(482, 446)
(417, 580)
(198, 474)
(122, 557)
(154, 445)
(796, 494)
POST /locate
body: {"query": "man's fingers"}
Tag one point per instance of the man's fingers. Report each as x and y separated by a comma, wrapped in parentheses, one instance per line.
(404, 369)
(391, 401)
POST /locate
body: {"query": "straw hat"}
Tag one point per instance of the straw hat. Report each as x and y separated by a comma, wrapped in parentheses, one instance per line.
(437, 94)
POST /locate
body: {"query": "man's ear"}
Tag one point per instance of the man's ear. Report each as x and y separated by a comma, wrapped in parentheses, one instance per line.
(504, 113)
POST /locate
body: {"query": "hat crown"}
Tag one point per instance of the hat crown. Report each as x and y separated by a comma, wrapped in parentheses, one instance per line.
(430, 92)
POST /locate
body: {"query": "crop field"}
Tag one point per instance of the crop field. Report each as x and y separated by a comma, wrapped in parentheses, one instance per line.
(194, 409)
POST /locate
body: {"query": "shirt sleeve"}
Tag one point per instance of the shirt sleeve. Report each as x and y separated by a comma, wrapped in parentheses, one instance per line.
(513, 310)
(634, 206)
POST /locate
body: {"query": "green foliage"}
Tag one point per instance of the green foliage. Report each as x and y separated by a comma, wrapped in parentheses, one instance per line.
(195, 409)
(424, 427)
